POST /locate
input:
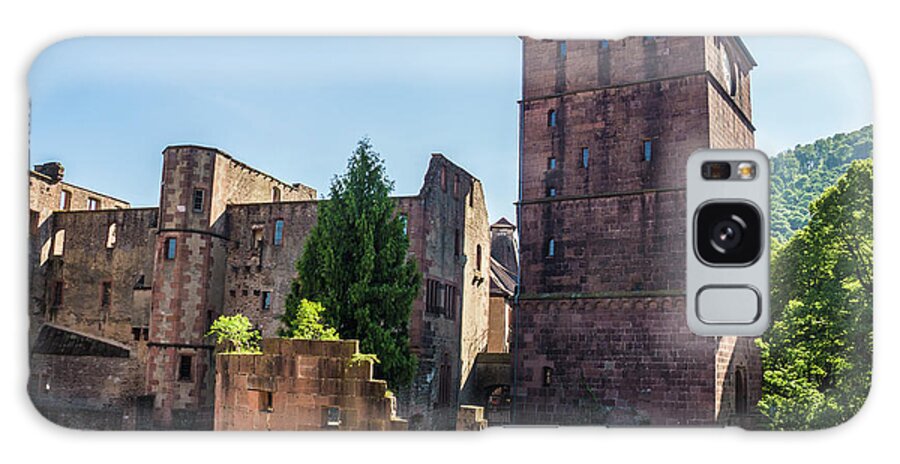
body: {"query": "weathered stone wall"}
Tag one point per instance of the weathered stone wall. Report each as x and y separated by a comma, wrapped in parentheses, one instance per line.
(301, 385)
(89, 260)
(601, 336)
(62, 392)
(475, 286)
(256, 268)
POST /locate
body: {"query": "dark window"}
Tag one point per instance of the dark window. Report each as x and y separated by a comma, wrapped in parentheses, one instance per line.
(333, 416)
(93, 204)
(445, 382)
(740, 391)
(276, 194)
(647, 150)
(547, 376)
(171, 245)
(456, 186)
(585, 155)
(551, 248)
(56, 299)
(551, 163)
(551, 118)
(136, 333)
(198, 201)
(34, 221)
(105, 294)
(266, 301)
(478, 257)
(278, 237)
(456, 242)
(65, 200)
(452, 302)
(444, 178)
(244, 292)
(185, 368)
(435, 296)
(265, 401)
(563, 49)
(472, 195)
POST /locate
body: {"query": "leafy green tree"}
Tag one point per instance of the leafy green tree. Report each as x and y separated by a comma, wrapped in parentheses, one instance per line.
(237, 333)
(801, 174)
(355, 263)
(305, 321)
(817, 355)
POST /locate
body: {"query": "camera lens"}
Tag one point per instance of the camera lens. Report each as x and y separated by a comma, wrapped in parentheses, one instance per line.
(728, 233)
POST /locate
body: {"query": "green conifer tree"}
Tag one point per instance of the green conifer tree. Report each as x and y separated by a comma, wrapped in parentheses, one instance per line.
(355, 264)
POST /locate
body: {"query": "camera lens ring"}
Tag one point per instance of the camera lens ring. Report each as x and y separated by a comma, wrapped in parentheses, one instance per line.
(741, 239)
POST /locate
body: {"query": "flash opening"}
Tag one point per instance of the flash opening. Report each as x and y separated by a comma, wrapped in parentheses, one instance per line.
(746, 170)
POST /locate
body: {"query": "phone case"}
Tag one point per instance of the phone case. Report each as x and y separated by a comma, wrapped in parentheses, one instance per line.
(238, 301)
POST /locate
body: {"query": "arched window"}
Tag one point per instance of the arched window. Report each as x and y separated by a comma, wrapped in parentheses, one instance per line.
(59, 242)
(740, 391)
(111, 236)
(276, 194)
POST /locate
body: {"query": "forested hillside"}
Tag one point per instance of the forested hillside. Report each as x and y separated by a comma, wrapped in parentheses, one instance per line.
(817, 356)
(801, 174)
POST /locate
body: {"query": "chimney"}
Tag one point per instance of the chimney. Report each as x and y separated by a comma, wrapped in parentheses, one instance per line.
(54, 170)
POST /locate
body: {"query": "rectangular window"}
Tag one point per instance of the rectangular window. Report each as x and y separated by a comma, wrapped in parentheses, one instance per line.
(551, 192)
(265, 401)
(198, 201)
(648, 150)
(266, 301)
(258, 230)
(279, 232)
(551, 118)
(585, 154)
(548, 376)
(185, 368)
(563, 50)
(93, 204)
(404, 219)
(604, 44)
(59, 242)
(105, 294)
(551, 164)
(56, 299)
(456, 243)
(444, 178)
(65, 200)
(171, 245)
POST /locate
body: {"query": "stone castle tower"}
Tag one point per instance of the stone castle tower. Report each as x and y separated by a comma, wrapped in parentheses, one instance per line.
(607, 127)
(190, 262)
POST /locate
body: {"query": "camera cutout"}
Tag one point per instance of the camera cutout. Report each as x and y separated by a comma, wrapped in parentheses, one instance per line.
(728, 233)
(727, 238)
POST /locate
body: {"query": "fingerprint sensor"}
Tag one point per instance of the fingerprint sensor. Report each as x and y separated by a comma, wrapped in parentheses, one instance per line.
(724, 304)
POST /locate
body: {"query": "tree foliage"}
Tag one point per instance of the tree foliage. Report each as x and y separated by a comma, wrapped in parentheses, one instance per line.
(800, 175)
(355, 263)
(237, 333)
(305, 321)
(817, 355)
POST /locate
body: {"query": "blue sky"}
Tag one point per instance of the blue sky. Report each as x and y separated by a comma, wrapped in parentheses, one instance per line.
(106, 107)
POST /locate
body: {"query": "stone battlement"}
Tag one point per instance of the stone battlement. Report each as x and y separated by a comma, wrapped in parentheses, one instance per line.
(302, 385)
